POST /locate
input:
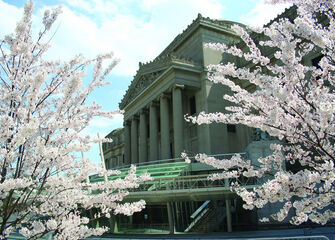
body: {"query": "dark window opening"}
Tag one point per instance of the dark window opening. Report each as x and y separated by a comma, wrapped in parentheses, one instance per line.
(193, 109)
(294, 167)
(231, 128)
(315, 61)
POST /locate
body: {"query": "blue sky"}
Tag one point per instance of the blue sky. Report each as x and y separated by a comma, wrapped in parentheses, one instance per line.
(135, 30)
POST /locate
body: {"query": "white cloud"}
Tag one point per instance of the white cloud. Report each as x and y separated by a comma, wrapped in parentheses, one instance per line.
(137, 34)
(95, 26)
(102, 125)
(262, 13)
(94, 6)
(101, 122)
(10, 15)
(75, 34)
(210, 8)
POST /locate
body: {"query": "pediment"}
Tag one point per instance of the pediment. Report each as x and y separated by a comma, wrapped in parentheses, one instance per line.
(148, 73)
(142, 82)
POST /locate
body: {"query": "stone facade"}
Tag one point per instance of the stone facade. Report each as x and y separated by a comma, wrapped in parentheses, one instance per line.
(162, 92)
(114, 151)
(171, 86)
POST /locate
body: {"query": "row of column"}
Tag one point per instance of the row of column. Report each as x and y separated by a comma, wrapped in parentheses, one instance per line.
(136, 146)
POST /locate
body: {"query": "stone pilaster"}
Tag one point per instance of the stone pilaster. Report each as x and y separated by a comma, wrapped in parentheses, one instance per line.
(127, 154)
(165, 127)
(178, 120)
(134, 140)
(169, 207)
(153, 134)
(143, 147)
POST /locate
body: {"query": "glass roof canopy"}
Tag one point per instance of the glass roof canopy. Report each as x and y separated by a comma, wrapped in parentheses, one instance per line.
(156, 170)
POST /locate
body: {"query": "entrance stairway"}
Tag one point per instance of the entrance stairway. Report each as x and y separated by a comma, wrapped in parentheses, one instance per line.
(174, 180)
(207, 217)
(156, 170)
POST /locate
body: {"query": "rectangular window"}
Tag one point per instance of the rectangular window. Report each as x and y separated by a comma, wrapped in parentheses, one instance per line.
(231, 128)
(315, 61)
(193, 109)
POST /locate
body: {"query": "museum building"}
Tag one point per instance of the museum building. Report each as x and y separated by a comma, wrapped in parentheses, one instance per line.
(163, 91)
(175, 84)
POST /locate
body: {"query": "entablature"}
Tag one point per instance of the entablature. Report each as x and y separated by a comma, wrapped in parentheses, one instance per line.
(176, 75)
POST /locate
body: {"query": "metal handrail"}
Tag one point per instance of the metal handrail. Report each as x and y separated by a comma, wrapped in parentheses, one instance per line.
(200, 209)
(191, 182)
(171, 160)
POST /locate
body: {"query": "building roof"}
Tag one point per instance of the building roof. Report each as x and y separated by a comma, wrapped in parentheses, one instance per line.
(215, 24)
(148, 72)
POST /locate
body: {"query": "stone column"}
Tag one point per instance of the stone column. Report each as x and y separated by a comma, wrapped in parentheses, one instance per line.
(113, 226)
(127, 154)
(170, 217)
(153, 132)
(134, 140)
(165, 127)
(178, 120)
(143, 147)
(228, 210)
(228, 214)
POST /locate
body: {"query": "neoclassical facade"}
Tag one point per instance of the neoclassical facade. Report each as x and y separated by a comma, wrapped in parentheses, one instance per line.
(155, 133)
(171, 86)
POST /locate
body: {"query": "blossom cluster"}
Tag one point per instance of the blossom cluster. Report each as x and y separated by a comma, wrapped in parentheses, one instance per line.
(289, 66)
(44, 187)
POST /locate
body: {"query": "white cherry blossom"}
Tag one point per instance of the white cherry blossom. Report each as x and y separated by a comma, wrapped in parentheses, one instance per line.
(291, 100)
(43, 182)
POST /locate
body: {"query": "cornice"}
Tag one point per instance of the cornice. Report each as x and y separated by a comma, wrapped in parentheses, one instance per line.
(218, 25)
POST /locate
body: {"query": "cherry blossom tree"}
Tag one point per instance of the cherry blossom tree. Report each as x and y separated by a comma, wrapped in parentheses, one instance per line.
(44, 185)
(291, 100)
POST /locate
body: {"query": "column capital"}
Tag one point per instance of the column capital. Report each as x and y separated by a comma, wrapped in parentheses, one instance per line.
(153, 104)
(143, 111)
(164, 95)
(134, 117)
(178, 86)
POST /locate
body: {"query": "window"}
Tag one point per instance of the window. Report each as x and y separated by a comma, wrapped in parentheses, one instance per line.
(231, 128)
(315, 61)
(193, 109)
